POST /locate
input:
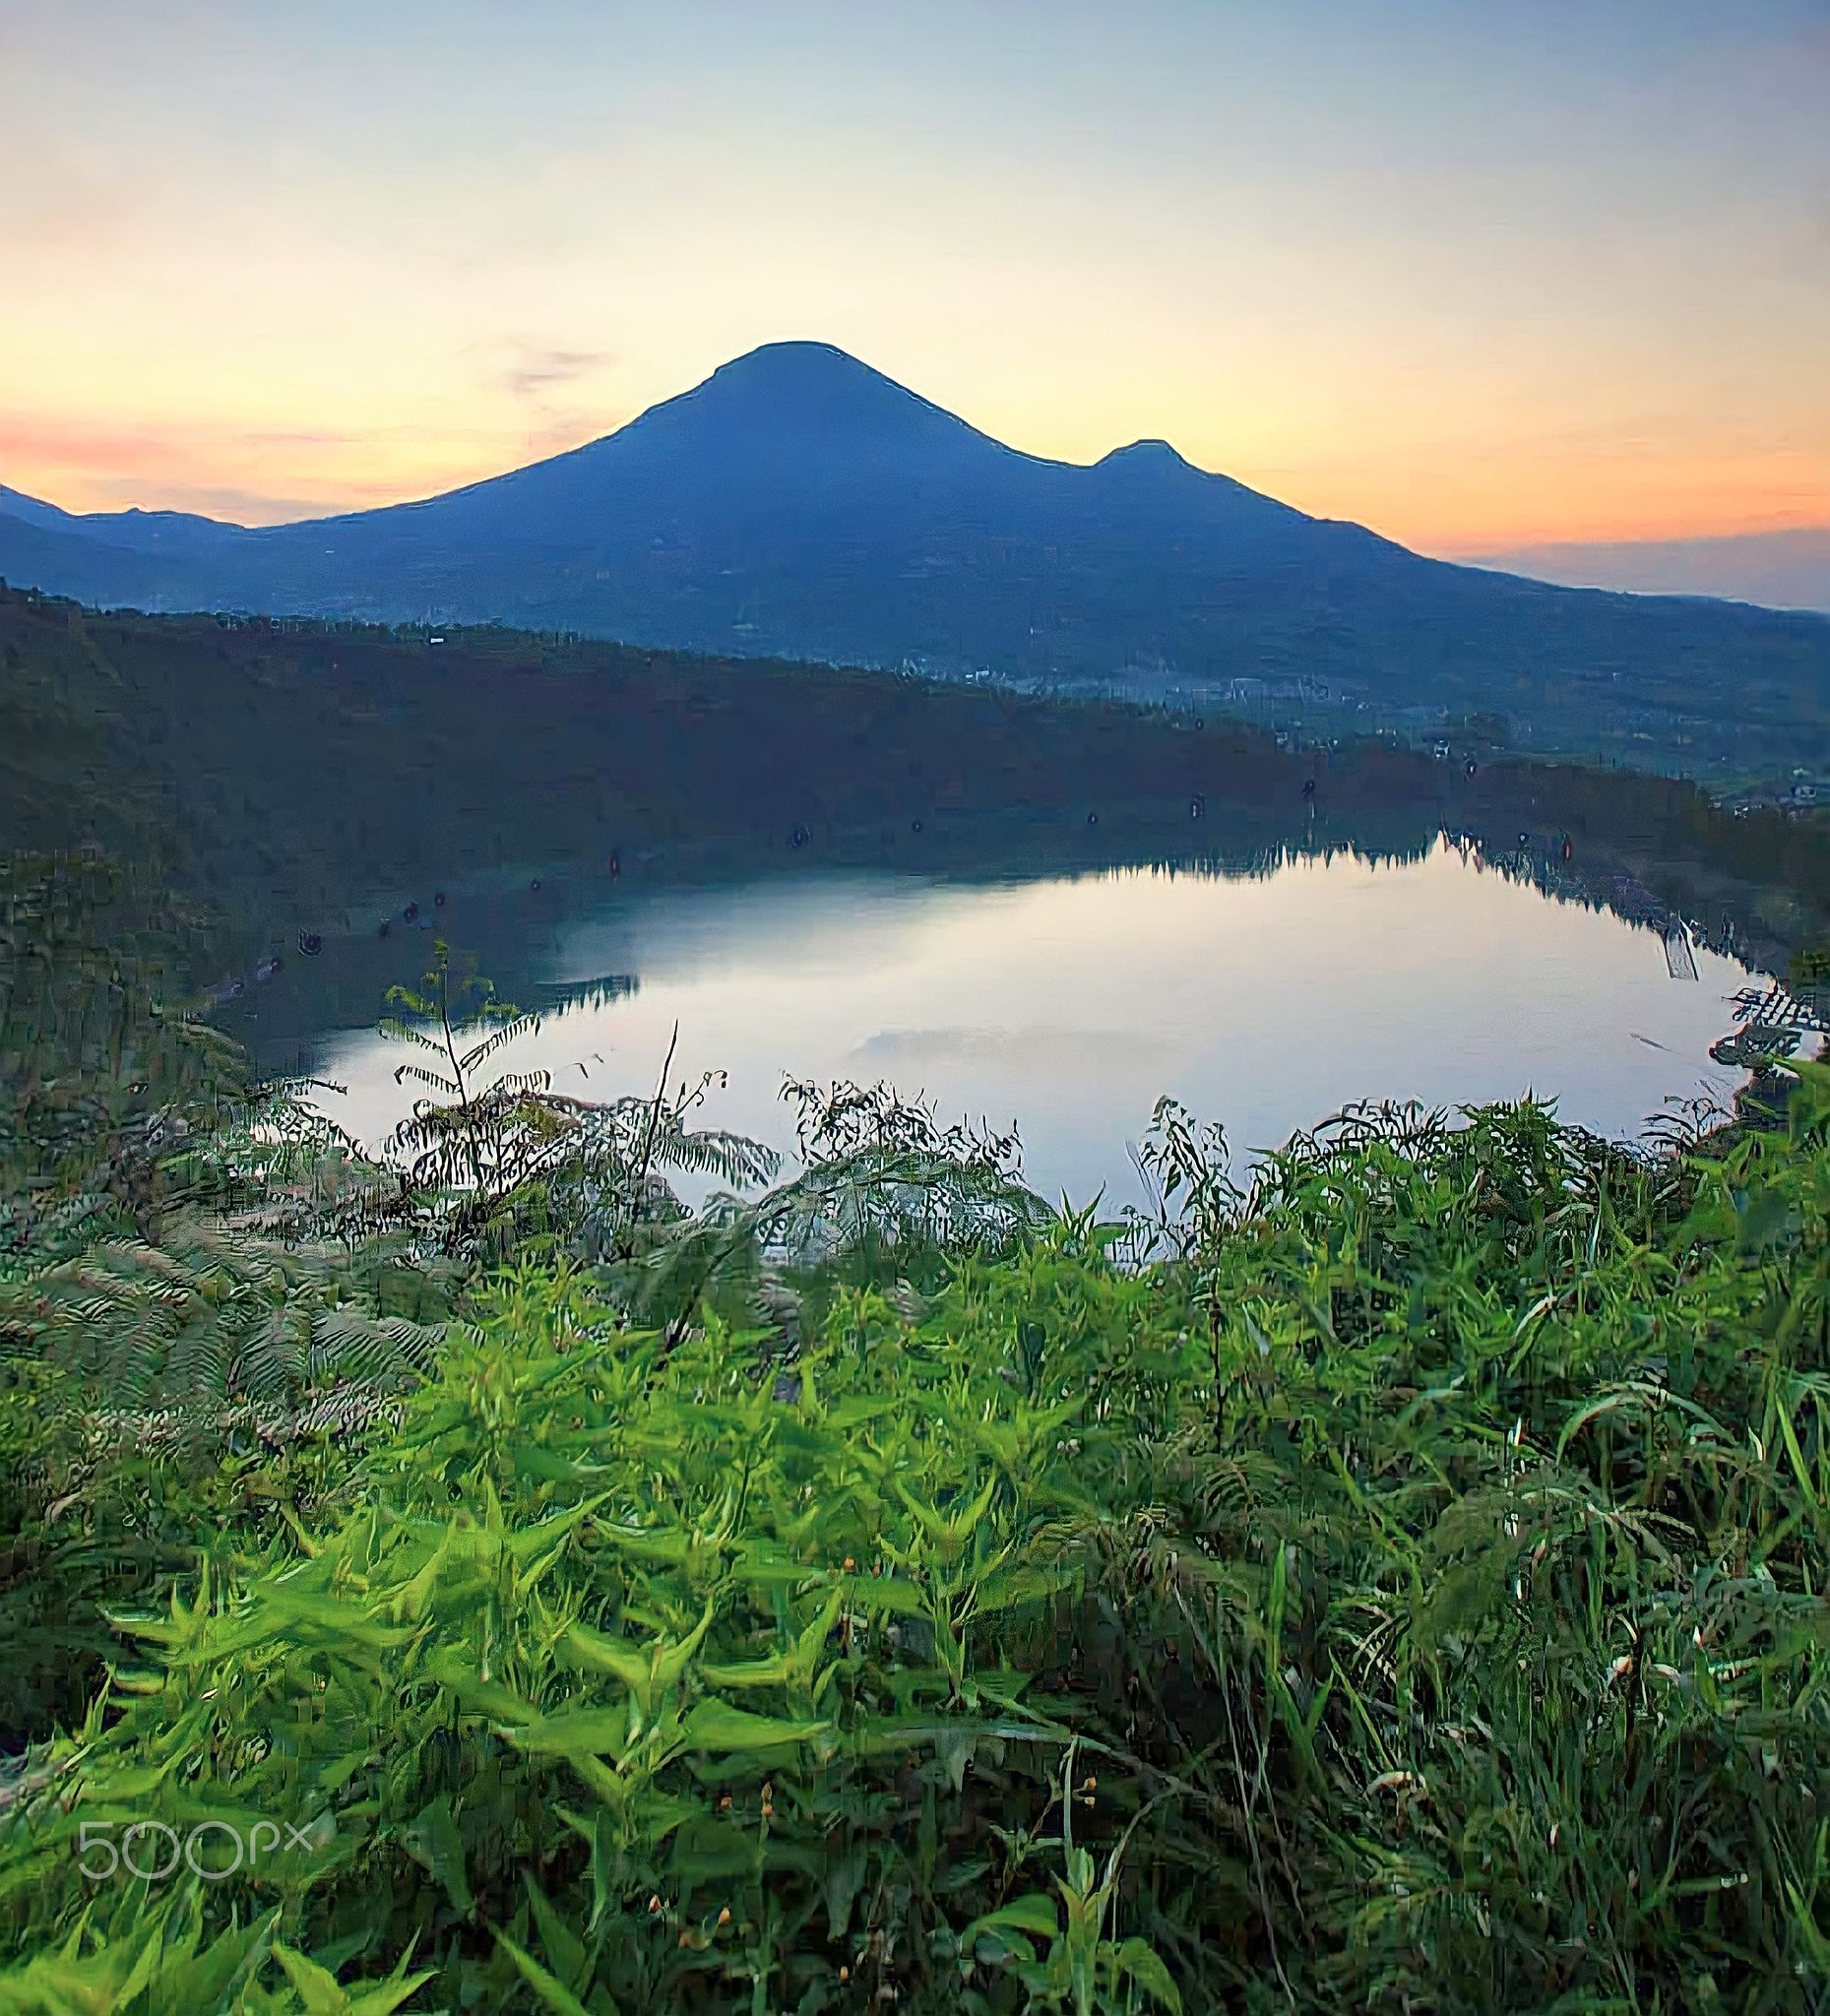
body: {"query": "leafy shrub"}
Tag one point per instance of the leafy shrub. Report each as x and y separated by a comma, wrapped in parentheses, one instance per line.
(1394, 1581)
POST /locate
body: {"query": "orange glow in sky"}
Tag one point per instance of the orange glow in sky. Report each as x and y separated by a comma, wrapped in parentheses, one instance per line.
(1476, 277)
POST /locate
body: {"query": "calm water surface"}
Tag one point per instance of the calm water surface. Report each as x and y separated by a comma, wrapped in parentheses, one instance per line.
(1070, 1005)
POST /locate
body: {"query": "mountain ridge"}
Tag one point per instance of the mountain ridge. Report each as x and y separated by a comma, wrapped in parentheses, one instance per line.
(775, 369)
(797, 503)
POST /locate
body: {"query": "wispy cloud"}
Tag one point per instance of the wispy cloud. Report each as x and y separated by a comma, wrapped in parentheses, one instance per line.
(536, 373)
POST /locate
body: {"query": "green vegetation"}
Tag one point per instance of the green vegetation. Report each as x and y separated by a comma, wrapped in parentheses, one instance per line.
(304, 777)
(473, 1579)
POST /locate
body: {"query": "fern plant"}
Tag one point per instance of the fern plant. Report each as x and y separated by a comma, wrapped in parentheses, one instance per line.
(491, 1165)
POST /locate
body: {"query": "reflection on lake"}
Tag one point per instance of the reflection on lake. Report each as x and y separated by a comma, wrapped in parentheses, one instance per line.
(1070, 1004)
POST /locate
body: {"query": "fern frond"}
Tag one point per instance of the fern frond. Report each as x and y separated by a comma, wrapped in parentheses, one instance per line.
(419, 1076)
(523, 1025)
(513, 1083)
(405, 1033)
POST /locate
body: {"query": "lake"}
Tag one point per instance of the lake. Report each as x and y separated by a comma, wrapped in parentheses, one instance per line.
(1068, 1004)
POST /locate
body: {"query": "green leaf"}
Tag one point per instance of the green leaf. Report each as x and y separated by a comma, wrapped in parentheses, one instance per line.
(530, 1541)
(546, 1466)
(630, 1662)
(552, 1992)
(580, 1732)
(1141, 1961)
(433, 1841)
(317, 1986)
(230, 1959)
(717, 1725)
(564, 1948)
(388, 1996)
(1033, 1913)
(841, 1877)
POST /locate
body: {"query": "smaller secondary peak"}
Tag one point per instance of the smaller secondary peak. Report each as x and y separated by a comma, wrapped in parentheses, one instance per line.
(1146, 455)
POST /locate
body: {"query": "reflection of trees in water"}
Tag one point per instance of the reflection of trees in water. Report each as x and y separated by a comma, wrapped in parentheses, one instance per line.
(1593, 889)
(1740, 927)
(1651, 850)
(1771, 1022)
(1248, 842)
(1261, 864)
(566, 998)
(1595, 878)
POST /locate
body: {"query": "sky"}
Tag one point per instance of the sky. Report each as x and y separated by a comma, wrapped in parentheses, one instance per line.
(1477, 275)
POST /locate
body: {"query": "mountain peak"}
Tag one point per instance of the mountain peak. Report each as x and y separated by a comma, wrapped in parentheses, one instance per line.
(801, 404)
(1147, 454)
(798, 358)
(803, 383)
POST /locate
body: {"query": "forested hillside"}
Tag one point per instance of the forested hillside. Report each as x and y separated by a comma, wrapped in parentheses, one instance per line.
(303, 777)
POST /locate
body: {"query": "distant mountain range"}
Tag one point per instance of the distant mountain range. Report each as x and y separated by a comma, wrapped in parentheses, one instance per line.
(1781, 570)
(801, 504)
